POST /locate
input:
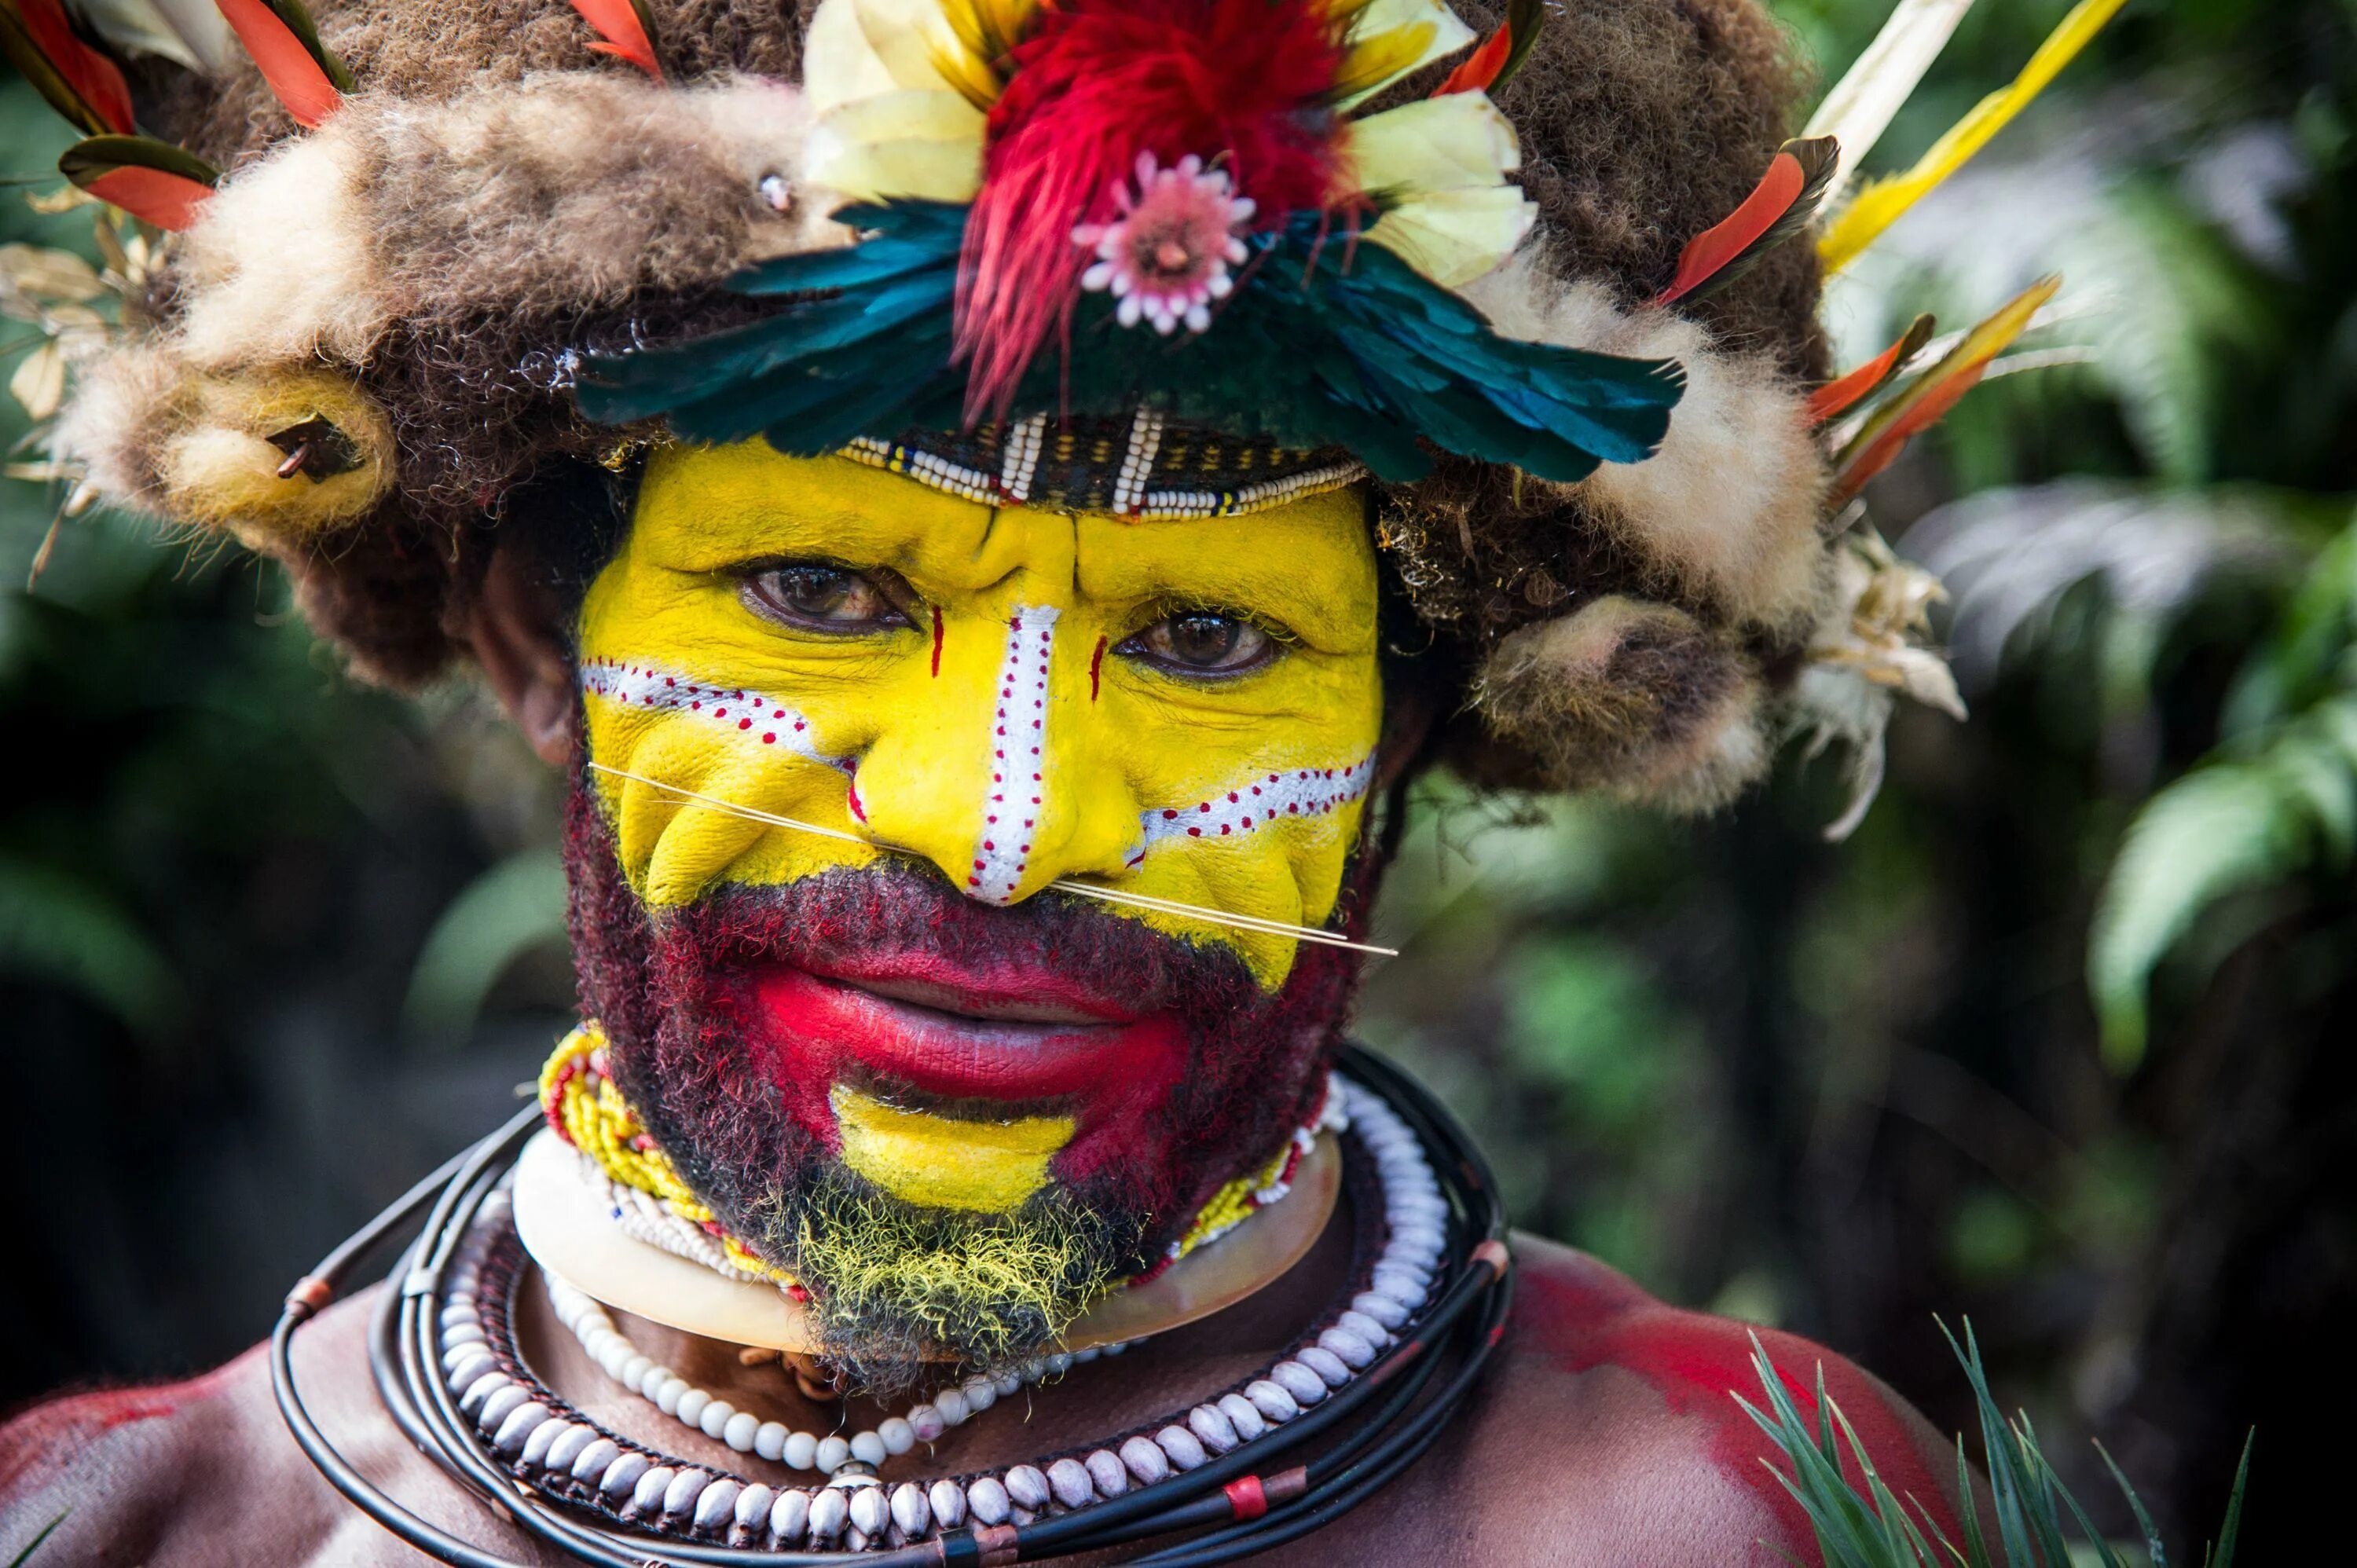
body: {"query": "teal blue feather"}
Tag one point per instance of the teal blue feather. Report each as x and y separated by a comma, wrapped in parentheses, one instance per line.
(1324, 342)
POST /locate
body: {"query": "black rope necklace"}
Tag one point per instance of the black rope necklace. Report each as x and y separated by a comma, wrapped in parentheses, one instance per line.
(1265, 1491)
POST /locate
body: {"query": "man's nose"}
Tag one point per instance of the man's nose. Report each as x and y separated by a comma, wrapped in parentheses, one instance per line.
(999, 773)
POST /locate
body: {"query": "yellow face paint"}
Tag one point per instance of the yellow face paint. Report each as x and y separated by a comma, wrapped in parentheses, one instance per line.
(938, 1163)
(1002, 732)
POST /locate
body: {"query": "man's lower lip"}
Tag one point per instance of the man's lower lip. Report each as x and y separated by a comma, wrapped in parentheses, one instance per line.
(821, 1028)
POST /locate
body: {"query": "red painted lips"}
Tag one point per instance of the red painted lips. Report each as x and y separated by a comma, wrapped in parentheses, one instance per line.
(1027, 1036)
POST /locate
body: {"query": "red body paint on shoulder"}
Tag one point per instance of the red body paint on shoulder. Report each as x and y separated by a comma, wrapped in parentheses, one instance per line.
(64, 1426)
(1590, 1317)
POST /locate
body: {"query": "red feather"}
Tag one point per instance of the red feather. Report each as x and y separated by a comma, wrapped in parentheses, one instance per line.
(1884, 449)
(1838, 397)
(92, 83)
(152, 180)
(166, 200)
(1778, 205)
(1239, 83)
(1481, 67)
(626, 31)
(1489, 67)
(302, 79)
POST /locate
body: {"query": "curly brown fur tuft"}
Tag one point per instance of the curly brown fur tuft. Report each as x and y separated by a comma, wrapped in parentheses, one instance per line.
(1631, 699)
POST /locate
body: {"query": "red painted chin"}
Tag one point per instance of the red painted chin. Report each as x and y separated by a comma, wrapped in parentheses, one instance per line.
(1030, 1038)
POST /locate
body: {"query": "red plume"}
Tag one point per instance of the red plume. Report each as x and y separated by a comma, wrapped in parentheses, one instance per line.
(279, 35)
(1837, 397)
(1783, 200)
(80, 82)
(1501, 54)
(1919, 404)
(1235, 83)
(154, 181)
(627, 30)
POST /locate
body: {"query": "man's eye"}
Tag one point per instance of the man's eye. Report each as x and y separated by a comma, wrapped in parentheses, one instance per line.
(1202, 643)
(823, 598)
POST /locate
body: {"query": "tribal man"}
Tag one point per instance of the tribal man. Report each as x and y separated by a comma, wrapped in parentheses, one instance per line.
(992, 503)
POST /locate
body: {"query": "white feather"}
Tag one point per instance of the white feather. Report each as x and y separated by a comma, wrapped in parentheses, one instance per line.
(192, 33)
(1859, 108)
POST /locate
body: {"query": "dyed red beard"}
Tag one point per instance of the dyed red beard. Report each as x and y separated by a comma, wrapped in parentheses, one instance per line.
(1209, 1076)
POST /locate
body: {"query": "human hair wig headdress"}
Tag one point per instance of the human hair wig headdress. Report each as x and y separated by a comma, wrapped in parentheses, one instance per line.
(1535, 275)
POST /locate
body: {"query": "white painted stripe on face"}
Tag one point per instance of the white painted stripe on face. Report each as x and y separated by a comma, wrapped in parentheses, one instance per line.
(1257, 802)
(1018, 763)
(762, 721)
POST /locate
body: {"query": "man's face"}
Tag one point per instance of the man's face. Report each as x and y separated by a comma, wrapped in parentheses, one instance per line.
(896, 1059)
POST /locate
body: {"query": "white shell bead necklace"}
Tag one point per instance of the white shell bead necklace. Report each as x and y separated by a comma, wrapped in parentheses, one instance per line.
(585, 1318)
(534, 1433)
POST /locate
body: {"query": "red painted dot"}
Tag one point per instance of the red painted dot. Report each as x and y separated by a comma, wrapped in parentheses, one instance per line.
(1224, 829)
(1194, 833)
(744, 724)
(1169, 816)
(990, 846)
(770, 738)
(1232, 796)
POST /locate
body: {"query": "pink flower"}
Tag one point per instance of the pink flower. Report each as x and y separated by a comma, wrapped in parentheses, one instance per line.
(1166, 257)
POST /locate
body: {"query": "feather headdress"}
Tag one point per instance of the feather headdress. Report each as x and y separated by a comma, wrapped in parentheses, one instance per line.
(1066, 175)
(1161, 258)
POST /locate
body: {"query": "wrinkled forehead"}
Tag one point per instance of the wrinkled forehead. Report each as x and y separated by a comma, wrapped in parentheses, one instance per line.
(1309, 563)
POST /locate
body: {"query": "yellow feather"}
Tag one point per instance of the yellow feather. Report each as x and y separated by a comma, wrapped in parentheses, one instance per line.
(1391, 38)
(1383, 57)
(1885, 201)
(989, 29)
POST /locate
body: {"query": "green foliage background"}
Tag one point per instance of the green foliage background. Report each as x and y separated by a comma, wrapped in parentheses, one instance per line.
(2059, 1040)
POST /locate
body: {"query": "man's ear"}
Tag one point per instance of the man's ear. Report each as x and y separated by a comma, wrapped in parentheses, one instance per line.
(517, 634)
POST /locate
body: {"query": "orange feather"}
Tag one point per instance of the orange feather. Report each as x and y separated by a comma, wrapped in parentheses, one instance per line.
(298, 69)
(1837, 397)
(1501, 54)
(1481, 67)
(1923, 401)
(626, 31)
(1784, 200)
(152, 195)
(154, 181)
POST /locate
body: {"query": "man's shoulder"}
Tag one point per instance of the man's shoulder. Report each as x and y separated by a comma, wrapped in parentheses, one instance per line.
(1606, 1431)
(204, 1472)
(109, 1473)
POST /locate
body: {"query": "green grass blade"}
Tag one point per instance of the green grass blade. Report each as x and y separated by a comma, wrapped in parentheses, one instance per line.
(2232, 1525)
(47, 1529)
(2152, 1545)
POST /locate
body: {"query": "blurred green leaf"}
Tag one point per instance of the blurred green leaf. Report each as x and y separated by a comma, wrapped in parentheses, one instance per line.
(58, 929)
(2236, 824)
(511, 910)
